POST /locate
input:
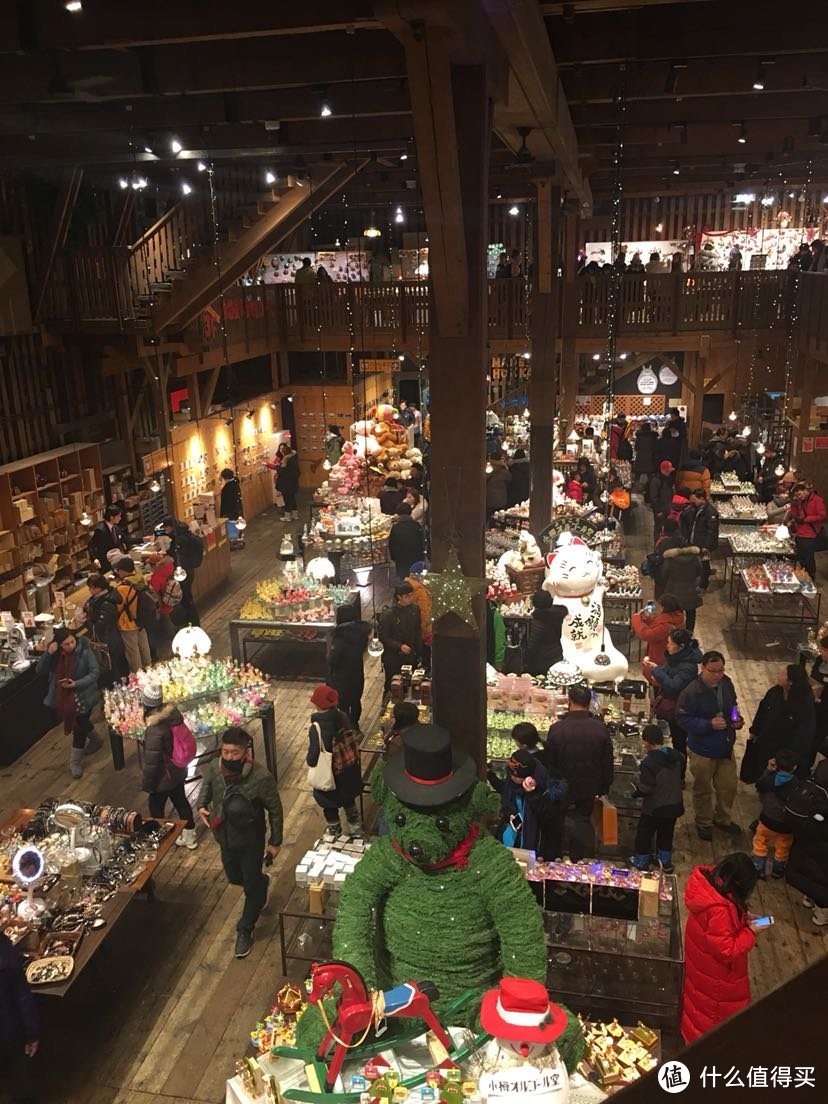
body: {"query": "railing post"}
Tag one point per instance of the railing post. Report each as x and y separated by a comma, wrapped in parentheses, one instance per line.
(734, 302)
(678, 283)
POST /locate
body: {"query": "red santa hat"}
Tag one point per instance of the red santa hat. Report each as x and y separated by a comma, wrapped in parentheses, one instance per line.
(520, 1010)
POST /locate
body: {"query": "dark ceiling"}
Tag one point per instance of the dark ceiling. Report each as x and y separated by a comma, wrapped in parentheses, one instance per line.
(103, 86)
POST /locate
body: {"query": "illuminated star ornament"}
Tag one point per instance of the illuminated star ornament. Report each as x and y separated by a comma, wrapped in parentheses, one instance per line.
(451, 591)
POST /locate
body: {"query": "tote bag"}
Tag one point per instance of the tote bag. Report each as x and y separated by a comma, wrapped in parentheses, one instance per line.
(321, 776)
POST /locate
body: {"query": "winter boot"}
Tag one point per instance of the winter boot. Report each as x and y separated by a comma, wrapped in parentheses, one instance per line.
(778, 869)
(820, 916)
(187, 839)
(640, 862)
(76, 762)
(332, 832)
(93, 743)
(354, 827)
(665, 861)
(760, 862)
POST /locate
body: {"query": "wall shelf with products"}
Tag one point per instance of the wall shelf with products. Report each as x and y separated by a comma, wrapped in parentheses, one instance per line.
(42, 538)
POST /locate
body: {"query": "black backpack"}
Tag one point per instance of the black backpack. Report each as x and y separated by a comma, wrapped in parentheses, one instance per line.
(189, 550)
(146, 608)
(806, 800)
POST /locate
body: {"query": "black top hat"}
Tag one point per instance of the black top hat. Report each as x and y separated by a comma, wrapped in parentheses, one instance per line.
(429, 771)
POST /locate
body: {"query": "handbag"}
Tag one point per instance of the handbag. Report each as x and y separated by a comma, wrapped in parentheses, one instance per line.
(321, 775)
(751, 769)
(605, 820)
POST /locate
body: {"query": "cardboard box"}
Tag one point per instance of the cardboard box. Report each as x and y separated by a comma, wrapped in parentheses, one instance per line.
(317, 898)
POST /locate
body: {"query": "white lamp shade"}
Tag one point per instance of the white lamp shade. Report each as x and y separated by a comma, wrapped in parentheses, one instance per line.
(191, 641)
(375, 647)
(179, 574)
(362, 575)
(782, 533)
(241, 524)
(320, 568)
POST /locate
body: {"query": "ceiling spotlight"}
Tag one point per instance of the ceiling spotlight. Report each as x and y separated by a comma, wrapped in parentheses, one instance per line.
(659, 227)
(155, 486)
(176, 146)
(732, 416)
(139, 183)
(676, 169)
(622, 356)
(270, 177)
(596, 356)
(791, 195)
(123, 182)
(201, 167)
(73, 6)
(742, 139)
(290, 398)
(403, 157)
(768, 200)
(399, 216)
(185, 187)
(759, 78)
(744, 197)
(401, 357)
(513, 210)
(371, 232)
(325, 109)
(149, 149)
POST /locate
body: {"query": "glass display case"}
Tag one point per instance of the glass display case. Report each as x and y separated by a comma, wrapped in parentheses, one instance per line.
(605, 966)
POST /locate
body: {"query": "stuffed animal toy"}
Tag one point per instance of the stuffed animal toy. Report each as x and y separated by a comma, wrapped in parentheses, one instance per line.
(451, 903)
(574, 577)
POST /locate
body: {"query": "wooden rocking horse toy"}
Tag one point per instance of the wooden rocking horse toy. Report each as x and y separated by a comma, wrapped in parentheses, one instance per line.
(360, 1009)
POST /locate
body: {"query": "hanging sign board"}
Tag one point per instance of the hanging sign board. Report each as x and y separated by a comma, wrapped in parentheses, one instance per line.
(370, 366)
(647, 380)
(667, 376)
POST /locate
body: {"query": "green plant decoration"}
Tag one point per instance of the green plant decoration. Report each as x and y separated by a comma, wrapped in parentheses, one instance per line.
(461, 926)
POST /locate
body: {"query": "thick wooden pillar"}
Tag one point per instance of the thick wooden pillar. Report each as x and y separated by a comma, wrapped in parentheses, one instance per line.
(569, 322)
(543, 396)
(457, 370)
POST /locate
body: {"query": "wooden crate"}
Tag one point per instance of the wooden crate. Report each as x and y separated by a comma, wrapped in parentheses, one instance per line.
(529, 580)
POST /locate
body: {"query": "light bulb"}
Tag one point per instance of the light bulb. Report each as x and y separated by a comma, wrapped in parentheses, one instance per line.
(403, 157)
(320, 568)
(179, 574)
(596, 356)
(241, 524)
(73, 6)
(191, 641)
(746, 431)
(375, 647)
(782, 533)
(779, 469)
(85, 519)
(201, 167)
(155, 486)
(325, 110)
(732, 416)
(526, 412)
(362, 576)
(489, 468)
(186, 188)
(176, 146)
(270, 177)
(760, 449)
(123, 182)
(326, 464)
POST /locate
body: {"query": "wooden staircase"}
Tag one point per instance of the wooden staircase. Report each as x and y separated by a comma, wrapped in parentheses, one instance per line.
(192, 254)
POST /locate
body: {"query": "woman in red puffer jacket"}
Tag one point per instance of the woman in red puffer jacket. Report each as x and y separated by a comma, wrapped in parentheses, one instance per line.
(717, 939)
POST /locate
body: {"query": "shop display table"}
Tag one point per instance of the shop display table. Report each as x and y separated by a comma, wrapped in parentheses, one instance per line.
(304, 936)
(25, 717)
(798, 607)
(111, 910)
(724, 488)
(752, 547)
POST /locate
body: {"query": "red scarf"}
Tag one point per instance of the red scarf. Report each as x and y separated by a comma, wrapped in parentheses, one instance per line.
(459, 857)
(65, 697)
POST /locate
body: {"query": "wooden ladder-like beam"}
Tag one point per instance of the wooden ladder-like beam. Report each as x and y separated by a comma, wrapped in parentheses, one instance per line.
(204, 284)
(62, 217)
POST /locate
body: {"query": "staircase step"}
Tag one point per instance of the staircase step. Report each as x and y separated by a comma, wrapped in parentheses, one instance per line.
(161, 286)
(175, 274)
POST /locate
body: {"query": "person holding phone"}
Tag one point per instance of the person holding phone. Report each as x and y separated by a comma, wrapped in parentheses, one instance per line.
(708, 712)
(70, 664)
(655, 628)
(719, 935)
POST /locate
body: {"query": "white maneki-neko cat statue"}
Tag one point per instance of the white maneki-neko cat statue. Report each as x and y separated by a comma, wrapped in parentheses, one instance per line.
(574, 577)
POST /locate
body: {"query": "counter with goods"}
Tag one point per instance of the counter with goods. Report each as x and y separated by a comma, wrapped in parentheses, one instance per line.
(754, 544)
(729, 484)
(25, 717)
(94, 860)
(774, 591)
(742, 510)
(288, 614)
(351, 532)
(212, 694)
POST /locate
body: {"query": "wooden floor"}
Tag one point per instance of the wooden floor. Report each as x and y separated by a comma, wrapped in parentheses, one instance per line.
(165, 1013)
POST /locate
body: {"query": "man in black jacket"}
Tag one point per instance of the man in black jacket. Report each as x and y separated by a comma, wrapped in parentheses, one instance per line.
(346, 673)
(187, 549)
(400, 632)
(659, 783)
(106, 536)
(579, 747)
(102, 609)
(405, 541)
(699, 524)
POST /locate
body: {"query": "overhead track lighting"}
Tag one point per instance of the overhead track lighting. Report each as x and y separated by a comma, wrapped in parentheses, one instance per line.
(186, 188)
(676, 169)
(325, 109)
(399, 216)
(73, 6)
(742, 139)
(513, 210)
(270, 177)
(201, 167)
(176, 146)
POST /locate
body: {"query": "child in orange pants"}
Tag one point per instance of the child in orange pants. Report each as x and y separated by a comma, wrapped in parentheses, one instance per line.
(773, 832)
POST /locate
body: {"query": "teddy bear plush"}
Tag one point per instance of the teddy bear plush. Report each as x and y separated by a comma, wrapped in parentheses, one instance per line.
(438, 898)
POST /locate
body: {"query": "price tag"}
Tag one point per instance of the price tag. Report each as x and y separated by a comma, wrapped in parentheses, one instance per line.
(60, 599)
(28, 619)
(6, 620)
(348, 527)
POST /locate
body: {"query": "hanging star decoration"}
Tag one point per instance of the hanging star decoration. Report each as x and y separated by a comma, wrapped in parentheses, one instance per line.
(451, 591)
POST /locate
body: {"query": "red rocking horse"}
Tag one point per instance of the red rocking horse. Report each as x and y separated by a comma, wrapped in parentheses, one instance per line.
(360, 1009)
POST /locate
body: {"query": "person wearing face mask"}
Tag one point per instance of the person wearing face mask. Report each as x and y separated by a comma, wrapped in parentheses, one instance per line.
(235, 795)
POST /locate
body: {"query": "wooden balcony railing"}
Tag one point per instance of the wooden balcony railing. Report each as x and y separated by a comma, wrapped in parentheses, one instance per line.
(94, 289)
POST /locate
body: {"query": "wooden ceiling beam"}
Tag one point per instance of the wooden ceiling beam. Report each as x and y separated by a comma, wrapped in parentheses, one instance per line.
(773, 106)
(325, 59)
(153, 22)
(720, 30)
(369, 98)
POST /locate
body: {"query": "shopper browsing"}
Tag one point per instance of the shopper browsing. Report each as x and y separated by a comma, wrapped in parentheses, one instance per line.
(101, 609)
(530, 805)
(230, 502)
(708, 712)
(332, 734)
(235, 795)
(169, 748)
(806, 519)
(807, 869)
(187, 549)
(655, 628)
(773, 832)
(682, 657)
(400, 632)
(819, 674)
(346, 671)
(579, 748)
(785, 718)
(659, 783)
(406, 544)
(717, 940)
(137, 612)
(72, 670)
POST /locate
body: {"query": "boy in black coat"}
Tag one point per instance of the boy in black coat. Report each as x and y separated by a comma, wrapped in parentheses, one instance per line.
(773, 832)
(659, 783)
